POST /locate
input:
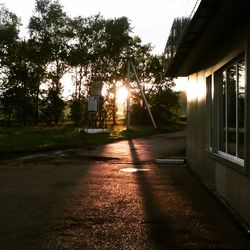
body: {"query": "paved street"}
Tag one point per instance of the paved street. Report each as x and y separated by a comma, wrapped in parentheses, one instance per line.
(111, 197)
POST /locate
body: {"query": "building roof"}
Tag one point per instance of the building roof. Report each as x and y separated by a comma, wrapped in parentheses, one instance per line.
(212, 19)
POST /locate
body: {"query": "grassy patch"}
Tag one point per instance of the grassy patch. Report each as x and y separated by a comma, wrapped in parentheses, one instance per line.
(41, 139)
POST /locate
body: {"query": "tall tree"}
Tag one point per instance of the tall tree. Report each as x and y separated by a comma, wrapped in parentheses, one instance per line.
(117, 42)
(155, 85)
(9, 41)
(96, 51)
(48, 29)
(87, 41)
(177, 29)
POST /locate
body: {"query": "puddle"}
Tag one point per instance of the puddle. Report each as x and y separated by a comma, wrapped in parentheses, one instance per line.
(132, 170)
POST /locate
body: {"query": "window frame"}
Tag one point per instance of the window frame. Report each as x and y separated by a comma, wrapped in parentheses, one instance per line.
(209, 111)
(217, 108)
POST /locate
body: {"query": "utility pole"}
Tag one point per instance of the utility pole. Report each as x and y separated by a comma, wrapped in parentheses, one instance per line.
(143, 95)
(130, 64)
(114, 103)
(128, 98)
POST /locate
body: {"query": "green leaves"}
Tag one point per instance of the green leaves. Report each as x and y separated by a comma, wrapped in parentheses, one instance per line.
(84, 47)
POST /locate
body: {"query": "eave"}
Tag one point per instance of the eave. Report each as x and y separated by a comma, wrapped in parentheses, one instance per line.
(208, 26)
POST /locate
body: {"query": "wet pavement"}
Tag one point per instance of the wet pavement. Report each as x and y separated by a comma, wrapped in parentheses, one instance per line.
(111, 197)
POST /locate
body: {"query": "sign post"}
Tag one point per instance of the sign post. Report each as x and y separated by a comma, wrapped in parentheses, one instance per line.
(94, 101)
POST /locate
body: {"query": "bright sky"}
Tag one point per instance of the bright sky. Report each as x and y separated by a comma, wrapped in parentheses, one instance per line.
(151, 19)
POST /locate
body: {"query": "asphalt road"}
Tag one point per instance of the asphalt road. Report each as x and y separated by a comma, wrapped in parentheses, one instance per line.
(111, 197)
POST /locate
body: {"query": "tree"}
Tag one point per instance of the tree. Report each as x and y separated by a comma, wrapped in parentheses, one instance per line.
(9, 31)
(117, 42)
(87, 41)
(52, 106)
(165, 106)
(95, 55)
(78, 111)
(157, 89)
(78, 57)
(92, 49)
(177, 29)
(48, 29)
(9, 41)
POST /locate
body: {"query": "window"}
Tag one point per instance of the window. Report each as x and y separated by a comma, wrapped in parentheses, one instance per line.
(209, 104)
(231, 110)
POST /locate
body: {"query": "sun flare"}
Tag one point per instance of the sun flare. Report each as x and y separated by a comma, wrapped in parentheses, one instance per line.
(122, 94)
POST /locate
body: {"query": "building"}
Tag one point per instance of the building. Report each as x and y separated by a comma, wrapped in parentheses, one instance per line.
(214, 52)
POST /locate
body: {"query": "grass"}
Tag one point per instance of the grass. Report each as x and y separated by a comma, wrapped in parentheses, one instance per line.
(13, 141)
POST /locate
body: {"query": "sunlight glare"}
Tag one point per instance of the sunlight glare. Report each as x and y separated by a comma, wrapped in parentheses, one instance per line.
(196, 90)
(133, 170)
(122, 94)
(181, 84)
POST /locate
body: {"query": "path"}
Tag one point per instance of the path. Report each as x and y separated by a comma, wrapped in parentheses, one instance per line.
(87, 199)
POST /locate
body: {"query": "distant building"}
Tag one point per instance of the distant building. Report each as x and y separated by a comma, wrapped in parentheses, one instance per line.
(214, 52)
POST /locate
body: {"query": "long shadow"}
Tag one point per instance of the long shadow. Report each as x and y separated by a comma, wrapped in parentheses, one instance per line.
(185, 215)
(156, 222)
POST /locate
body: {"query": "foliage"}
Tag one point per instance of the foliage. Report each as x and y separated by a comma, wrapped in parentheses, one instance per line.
(8, 36)
(157, 88)
(165, 106)
(49, 32)
(14, 70)
(52, 107)
(95, 56)
(78, 111)
(178, 27)
(90, 49)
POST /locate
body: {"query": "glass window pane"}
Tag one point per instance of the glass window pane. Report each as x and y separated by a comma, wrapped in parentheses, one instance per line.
(231, 110)
(222, 108)
(241, 108)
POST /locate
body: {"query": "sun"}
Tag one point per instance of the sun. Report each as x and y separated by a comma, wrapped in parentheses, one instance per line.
(121, 94)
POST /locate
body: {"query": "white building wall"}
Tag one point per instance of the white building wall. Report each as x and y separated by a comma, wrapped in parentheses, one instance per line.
(232, 185)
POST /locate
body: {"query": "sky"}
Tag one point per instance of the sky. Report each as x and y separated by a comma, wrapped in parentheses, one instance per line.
(151, 19)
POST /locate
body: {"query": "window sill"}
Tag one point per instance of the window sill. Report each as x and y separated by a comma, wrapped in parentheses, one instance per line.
(228, 162)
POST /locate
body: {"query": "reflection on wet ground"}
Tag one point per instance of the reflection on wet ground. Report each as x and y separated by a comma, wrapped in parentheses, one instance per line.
(132, 170)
